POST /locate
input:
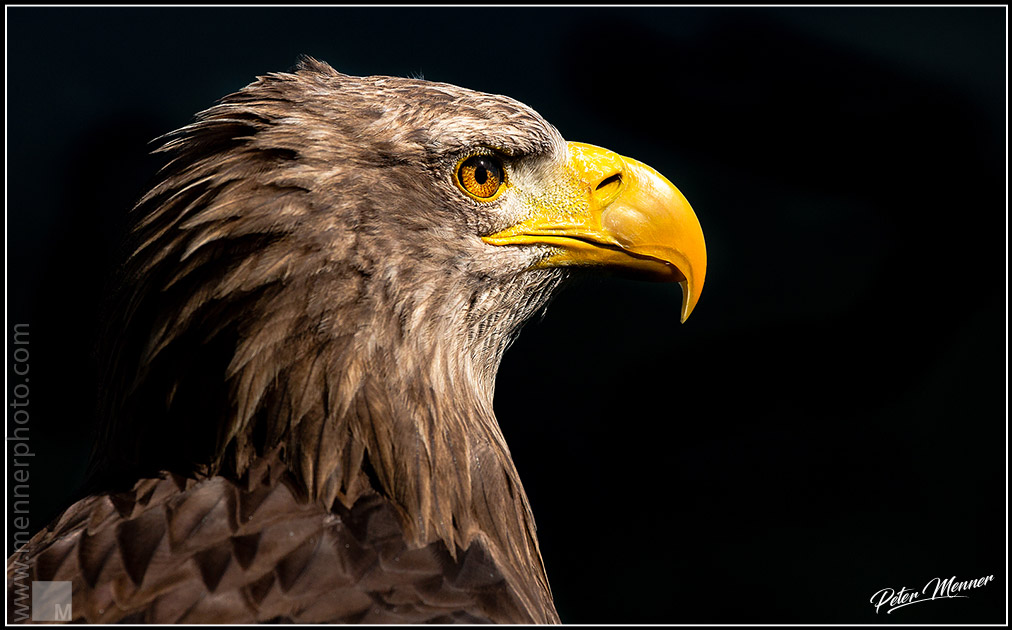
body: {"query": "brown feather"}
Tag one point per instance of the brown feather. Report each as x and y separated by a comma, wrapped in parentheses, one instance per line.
(284, 560)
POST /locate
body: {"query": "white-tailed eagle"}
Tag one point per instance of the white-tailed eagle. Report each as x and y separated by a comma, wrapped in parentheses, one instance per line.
(297, 417)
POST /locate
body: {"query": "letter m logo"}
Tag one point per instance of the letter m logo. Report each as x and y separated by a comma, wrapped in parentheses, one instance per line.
(62, 613)
(51, 601)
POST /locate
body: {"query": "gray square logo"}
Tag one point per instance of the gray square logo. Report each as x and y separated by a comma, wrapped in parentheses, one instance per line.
(51, 601)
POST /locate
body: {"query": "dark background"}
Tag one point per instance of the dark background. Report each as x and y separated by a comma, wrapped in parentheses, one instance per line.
(829, 422)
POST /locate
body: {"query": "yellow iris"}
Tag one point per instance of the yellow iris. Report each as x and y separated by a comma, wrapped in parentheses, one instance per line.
(481, 176)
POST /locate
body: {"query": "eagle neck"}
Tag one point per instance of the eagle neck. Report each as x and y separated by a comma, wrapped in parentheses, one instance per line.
(423, 415)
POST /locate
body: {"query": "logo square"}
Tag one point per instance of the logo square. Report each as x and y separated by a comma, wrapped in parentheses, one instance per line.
(51, 601)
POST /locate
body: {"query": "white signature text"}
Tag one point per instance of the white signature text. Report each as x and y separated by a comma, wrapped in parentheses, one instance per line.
(937, 587)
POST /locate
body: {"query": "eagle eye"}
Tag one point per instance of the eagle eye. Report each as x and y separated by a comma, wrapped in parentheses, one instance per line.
(481, 176)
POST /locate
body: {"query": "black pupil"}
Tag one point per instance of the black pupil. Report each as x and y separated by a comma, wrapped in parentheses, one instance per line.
(486, 169)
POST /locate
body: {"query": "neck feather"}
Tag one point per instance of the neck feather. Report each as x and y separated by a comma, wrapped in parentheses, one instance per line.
(403, 407)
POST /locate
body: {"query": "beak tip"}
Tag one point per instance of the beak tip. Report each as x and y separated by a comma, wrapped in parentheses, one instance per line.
(689, 299)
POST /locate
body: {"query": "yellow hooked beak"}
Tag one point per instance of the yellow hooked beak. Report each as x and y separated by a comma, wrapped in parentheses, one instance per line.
(626, 216)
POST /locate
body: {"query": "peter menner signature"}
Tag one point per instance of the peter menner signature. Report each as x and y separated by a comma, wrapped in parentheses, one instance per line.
(936, 588)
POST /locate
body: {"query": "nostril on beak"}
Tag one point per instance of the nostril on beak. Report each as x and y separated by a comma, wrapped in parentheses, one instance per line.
(607, 191)
(608, 181)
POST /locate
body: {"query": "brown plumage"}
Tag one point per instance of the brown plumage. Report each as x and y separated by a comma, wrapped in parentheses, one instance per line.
(301, 368)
